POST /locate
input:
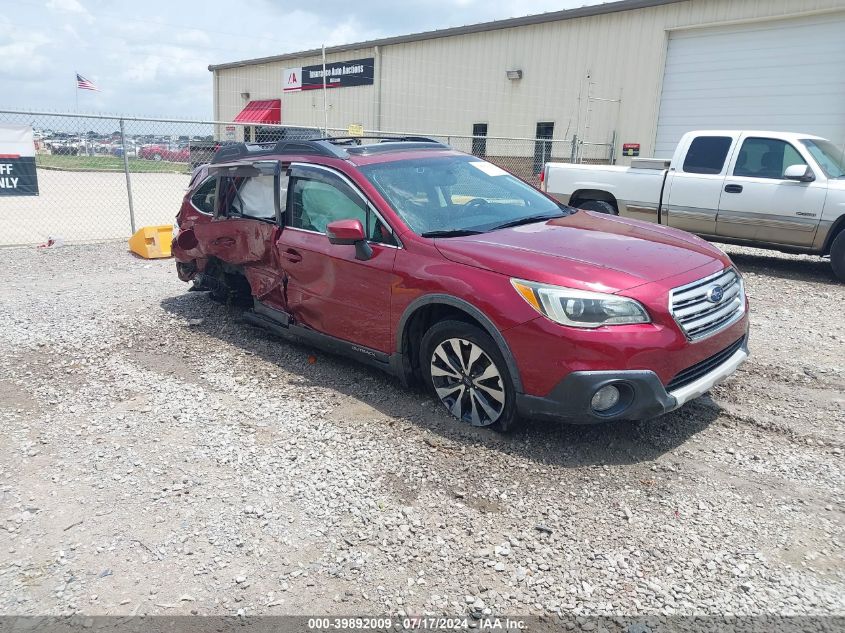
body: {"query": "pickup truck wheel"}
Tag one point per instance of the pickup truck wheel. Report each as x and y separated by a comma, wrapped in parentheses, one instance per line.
(466, 371)
(837, 255)
(600, 206)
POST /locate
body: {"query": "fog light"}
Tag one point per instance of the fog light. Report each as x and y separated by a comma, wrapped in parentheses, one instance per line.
(605, 398)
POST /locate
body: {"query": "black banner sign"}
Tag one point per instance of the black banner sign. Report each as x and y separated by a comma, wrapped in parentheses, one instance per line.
(18, 176)
(17, 161)
(356, 72)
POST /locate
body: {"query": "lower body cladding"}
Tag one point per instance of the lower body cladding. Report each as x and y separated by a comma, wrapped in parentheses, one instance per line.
(601, 396)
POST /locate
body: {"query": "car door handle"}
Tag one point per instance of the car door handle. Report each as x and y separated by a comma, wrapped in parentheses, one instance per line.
(224, 241)
(733, 188)
(292, 256)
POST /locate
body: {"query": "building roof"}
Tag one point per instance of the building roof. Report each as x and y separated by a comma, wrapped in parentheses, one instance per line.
(541, 18)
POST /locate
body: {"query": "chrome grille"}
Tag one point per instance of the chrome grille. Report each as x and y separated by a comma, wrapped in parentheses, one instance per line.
(700, 311)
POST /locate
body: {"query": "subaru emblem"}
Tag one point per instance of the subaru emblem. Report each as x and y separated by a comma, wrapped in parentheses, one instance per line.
(715, 294)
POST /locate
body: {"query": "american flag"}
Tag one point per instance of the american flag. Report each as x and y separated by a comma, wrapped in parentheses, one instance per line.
(84, 84)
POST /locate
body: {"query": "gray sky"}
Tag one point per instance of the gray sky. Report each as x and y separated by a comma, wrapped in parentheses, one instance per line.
(151, 57)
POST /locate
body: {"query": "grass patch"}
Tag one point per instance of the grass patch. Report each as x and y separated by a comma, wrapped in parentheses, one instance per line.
(108, 163)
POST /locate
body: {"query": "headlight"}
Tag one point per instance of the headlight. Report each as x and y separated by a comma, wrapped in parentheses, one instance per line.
(580, 308)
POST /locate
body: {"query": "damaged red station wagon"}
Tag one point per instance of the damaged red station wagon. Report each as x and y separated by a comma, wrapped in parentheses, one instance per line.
(437, 266)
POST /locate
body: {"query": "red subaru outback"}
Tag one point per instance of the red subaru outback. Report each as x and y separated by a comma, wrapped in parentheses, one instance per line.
(440, 267)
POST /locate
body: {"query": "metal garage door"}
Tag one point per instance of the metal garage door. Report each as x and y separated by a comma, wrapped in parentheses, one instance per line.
(786, 75)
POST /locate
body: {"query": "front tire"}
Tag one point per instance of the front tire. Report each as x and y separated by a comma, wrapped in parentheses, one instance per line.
(599, 206)
(837, 255)
(465, 369)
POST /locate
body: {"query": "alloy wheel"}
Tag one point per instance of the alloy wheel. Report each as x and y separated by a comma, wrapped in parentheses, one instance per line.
(467, 382)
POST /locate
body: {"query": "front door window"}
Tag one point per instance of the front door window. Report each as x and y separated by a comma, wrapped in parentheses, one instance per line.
(320, 198)
(766, 158)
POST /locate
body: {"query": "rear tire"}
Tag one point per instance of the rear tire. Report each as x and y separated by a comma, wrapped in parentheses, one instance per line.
(837, 255)
(464, 368)
(599, 206)
(229, 288)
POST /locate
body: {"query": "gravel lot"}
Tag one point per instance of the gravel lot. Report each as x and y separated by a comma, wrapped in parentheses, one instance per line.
(158, 456)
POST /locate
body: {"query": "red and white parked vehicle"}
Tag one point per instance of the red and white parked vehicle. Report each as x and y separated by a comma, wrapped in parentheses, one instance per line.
(162, 152)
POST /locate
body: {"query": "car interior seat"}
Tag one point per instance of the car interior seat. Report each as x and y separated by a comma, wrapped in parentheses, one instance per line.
(772, 165)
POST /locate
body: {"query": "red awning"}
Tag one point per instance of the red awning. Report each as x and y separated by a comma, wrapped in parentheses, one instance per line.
(267, 111)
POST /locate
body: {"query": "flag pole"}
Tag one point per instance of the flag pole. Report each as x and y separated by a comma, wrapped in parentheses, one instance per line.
(76, 95)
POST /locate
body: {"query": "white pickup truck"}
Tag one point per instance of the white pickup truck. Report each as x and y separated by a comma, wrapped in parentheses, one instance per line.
(774, 190)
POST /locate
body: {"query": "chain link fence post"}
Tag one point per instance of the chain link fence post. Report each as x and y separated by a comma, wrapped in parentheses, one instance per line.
(128, 179)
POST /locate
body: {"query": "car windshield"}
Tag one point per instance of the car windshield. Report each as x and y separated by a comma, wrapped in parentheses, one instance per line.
(458, 195)
(829, 157)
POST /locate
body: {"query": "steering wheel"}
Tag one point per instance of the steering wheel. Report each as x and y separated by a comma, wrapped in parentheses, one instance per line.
(474, 207)
(475, 203)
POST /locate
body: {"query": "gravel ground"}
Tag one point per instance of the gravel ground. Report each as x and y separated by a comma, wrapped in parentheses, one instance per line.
(158, 456)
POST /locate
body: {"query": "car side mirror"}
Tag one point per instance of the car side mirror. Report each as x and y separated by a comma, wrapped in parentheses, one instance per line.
(801, 173)
(350, 232)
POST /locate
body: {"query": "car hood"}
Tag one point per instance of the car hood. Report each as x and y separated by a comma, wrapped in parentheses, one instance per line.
(586, 250)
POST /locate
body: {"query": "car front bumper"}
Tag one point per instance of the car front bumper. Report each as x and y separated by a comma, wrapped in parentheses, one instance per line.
(643, 394)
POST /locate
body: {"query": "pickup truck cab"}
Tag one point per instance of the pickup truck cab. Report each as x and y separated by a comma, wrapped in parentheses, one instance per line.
(777, 190)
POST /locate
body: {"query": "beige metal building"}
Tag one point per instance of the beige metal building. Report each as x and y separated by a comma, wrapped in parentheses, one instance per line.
(634, 72)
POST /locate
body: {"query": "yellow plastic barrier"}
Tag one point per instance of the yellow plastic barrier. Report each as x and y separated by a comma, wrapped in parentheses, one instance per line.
(152, 242)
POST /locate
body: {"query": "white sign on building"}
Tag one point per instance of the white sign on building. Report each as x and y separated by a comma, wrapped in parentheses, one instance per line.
(293, 79)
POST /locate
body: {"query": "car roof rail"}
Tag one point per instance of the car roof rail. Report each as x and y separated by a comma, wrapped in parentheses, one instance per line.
(330, 146)
(237, 151)
(391, 145)
(383, 138)
(386, 143)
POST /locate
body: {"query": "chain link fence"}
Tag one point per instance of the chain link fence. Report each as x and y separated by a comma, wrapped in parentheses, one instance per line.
(102, 177)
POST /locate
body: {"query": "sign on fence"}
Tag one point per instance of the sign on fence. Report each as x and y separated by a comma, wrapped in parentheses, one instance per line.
(17, 161)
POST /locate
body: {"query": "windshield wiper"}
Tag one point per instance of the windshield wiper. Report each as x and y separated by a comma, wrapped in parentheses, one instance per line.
(451, 233)
(527, 220)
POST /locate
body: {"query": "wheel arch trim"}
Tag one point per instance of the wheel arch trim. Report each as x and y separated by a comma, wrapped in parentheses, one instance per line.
(833, 230)
(472, 311)
(585, 194)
